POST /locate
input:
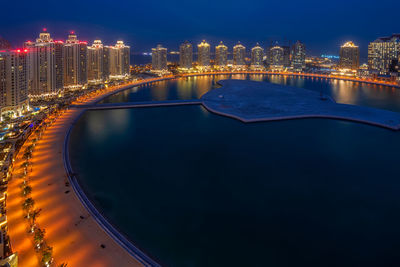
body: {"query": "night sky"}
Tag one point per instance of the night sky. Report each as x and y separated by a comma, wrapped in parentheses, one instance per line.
(321, 25)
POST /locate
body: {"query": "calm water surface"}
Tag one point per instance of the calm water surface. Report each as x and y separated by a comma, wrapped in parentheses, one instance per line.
(195, 189)
(194, 87)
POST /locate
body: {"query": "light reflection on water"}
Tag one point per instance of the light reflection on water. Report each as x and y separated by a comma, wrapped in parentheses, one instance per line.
(346, 92)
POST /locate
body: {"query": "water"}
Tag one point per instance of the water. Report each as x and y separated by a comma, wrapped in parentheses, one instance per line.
(346, 92)
(195, 189)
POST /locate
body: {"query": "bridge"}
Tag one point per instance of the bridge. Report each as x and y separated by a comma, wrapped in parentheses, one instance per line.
(139, 104)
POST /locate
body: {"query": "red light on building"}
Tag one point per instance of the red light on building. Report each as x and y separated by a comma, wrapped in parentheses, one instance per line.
(45, 29)
(26, 50)
(72, 32)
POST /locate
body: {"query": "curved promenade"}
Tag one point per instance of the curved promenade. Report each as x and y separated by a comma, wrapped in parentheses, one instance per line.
(78, 233)
(75, 235)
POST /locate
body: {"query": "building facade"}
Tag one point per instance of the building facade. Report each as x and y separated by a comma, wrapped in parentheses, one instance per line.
(239, 55)
(119, 60)
(159, 58)
(349, 56)
(75, 62)
(279, 57)
(257, 56)
(384, 52)
(298, 57)
(13, 82)
(221, 55)
(186, 55)
(203, 56)
(95, 62)
(42, 67)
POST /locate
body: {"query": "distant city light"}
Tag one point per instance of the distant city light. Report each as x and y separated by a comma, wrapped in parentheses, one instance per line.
(330, 56)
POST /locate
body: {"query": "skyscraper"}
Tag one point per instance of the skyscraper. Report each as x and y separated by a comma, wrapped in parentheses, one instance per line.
(41, 66)
(124, 55)
(279, 57)
(298, 55)
(159, 58)
(95, 62)
(239, 55)
(203, 57)
(75, 60)
(257, 55)
(106, 63)
(13, 82)
(276, 57)
(59, 63)
(186, 55)
(383, 52)
(349, 56)
(221, 55)
(119, 60)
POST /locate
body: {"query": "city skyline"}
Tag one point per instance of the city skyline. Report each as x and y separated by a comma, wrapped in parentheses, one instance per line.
(322, 31)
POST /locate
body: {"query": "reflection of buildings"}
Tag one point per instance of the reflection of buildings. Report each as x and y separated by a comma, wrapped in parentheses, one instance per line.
(203, 54)
(221, 55)
(257, 56)
(186, 55)
(159, 58)
(298, 55)
(383, 53)
(13, 82)
(349, 56)
(239, 54)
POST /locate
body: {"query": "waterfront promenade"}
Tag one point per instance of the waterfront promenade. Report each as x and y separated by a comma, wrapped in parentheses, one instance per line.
(76, 237)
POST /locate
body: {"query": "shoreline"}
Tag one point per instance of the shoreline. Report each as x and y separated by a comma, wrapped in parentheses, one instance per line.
(70, 245)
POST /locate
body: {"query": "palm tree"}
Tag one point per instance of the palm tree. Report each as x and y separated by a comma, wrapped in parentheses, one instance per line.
(33, 215)
(39, 237)
(25, 164)
(28, 204)
(27, 155)
(26, 190)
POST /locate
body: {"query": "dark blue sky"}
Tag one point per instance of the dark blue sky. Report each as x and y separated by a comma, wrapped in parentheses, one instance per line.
(321, 25)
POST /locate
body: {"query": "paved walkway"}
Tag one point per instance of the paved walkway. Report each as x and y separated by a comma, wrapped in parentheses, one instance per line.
(75, 241)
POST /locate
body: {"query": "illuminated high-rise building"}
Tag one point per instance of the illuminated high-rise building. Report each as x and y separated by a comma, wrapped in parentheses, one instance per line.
(13, 82)
(383, 53)
(239, 55)
(42, 66)
(349, 56)
(186, 55)
(203, 54)
(119, 60)
(257, 56)
(106, 63)
(159, 58)
(59, 63)
(75, 62)
(123, 58)
(279, 57)
(95, 62)
(221, 55)
(276, 57)
(298, 55)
